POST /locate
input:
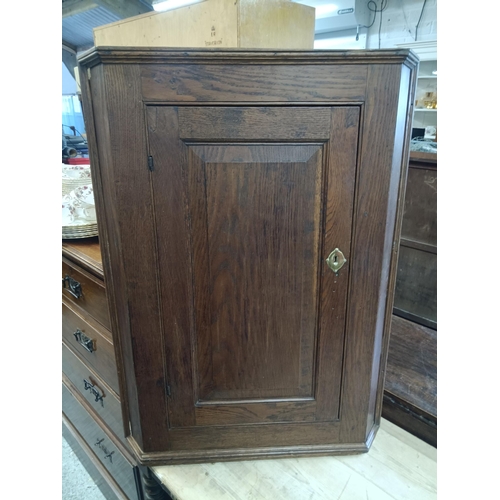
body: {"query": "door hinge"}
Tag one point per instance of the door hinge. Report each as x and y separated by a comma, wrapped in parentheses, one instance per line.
(169, 393)
(150, 163)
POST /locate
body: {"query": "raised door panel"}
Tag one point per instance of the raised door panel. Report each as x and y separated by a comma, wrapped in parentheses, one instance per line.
(258, 223)
(248, 204)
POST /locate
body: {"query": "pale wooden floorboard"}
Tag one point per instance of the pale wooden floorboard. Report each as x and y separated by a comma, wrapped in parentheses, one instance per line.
(398, 467)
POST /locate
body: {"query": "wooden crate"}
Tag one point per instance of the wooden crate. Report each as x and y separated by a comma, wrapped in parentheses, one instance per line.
(261, 24)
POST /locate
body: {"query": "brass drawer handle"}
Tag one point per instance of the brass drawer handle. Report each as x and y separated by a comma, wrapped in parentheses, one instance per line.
(86, 342)
(74, 288)
(90, 387)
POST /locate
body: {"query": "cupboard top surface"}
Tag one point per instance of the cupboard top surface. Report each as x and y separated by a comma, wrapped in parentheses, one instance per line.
(85, 252)
(400, 460)
(161, 55)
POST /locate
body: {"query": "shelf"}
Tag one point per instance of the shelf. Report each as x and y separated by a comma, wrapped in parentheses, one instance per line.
(426, 110)
(433, 77)
(421, 156)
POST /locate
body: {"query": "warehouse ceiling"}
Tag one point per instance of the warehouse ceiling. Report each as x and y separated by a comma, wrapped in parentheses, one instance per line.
(79, 17)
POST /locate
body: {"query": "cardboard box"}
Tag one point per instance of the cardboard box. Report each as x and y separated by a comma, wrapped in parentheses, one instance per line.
(261, 24)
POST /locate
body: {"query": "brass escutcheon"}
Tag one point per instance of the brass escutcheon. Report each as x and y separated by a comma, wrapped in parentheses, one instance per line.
(336, 260)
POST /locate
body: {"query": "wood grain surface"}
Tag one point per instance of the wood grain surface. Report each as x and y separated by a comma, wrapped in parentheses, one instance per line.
(416, 286)
(216, 23)
(259, 161)
(87, 252)
(110, 453)
(101, 477)
(102, 358)
(109, 412)
(261, 288)
(412, 364)
(261, 252)
(93, 299)
(399, 466)
(252, 83)
(410, 397)
(420, 219)
(410, 392)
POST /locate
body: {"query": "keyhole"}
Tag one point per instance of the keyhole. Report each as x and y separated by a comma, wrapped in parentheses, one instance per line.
(335, 261)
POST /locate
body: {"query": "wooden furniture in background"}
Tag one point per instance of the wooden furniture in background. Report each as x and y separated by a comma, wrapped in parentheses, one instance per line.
(410, 394)
(92, 413)
(223, 181)
(416, 285)
(410, 391)
(256, 24)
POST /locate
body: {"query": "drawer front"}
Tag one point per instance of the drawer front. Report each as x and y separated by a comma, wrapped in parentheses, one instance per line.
(85, 291)
(87, 458)
(119, 467)
(94, 391)
(85, 339)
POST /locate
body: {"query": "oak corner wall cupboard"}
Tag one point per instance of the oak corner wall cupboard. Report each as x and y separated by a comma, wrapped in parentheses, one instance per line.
(249, 207)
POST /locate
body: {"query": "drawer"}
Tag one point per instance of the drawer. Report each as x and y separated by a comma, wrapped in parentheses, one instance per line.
(85, 291)
(88, 459)
(122, 468)
(86, 339)
(94, 391)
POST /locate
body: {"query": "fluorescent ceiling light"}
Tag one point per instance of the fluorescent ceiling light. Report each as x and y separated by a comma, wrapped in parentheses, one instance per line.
(324, 8)
(163, 5)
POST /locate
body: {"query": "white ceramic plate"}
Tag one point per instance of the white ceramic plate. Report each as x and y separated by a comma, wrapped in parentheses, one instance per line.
(75, 171)
(79, 236)
(78, 207)
(82, 196)
(81, 228)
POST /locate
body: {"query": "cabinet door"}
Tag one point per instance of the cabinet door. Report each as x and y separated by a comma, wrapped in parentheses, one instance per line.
(248, 204)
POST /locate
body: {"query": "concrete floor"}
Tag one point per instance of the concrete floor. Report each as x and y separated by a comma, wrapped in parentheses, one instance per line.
(76, 482)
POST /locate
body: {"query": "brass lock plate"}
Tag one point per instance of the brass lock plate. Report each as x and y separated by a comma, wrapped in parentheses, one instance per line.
(336, 260)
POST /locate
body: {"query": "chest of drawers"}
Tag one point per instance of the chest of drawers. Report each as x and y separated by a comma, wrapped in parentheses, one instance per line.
(92, 414)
